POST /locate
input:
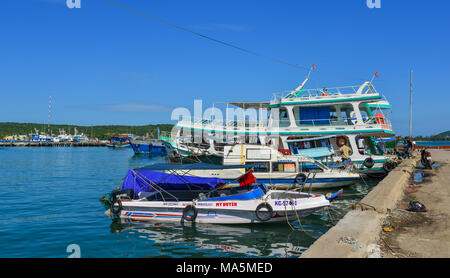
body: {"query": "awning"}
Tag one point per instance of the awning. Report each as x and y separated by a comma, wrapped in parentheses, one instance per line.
(248, 105)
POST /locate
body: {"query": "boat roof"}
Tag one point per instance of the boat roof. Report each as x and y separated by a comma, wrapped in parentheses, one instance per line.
(250, 104)
(193, 166)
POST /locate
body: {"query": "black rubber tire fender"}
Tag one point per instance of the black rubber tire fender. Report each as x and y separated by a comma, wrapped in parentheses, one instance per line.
(302, 176)
(186, 211)
(388, 166)
(258, 212)
(369, 162)
(119, 206)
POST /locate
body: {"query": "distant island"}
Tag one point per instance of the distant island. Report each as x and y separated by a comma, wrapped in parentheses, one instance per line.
(444, 136)
(102, 132)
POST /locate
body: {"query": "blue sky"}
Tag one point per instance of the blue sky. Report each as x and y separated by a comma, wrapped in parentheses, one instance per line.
(105, 65)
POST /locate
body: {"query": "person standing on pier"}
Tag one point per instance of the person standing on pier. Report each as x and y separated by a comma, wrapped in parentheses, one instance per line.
(408, 146)
(345, 152)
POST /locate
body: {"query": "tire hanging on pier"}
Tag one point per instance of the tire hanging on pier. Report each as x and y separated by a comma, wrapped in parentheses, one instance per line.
(388, 166)
(264, 215)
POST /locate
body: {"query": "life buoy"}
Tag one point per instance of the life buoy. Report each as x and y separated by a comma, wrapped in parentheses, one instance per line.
(298, 177)
(341, 141)
(369, 162)
(264, 215)
(190, 213)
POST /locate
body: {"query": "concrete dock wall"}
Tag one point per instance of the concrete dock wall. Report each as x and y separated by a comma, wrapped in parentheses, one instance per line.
(355, 235)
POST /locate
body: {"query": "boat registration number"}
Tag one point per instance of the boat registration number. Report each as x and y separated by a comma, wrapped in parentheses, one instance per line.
(286, 203)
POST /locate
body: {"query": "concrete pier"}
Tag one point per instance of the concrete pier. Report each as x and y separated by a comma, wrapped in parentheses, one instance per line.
(369, 230)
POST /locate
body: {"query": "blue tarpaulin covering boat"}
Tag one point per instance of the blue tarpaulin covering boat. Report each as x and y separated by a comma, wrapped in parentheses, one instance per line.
(144, 181)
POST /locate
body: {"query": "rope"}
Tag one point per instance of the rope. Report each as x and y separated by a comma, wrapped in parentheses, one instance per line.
(273, 59)
(297, 216)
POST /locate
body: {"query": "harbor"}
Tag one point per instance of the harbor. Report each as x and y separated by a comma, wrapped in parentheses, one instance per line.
(226, 136)
(53, 144)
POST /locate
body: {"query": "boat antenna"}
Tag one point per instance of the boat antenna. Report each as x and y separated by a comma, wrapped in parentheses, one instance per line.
(374, 75)
(313, 67)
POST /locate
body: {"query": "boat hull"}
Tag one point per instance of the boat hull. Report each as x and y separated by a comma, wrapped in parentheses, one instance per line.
(148, 149)
(223, 212)
(118, 145)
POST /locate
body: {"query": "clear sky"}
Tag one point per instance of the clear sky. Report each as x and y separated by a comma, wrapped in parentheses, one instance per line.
(106, 65)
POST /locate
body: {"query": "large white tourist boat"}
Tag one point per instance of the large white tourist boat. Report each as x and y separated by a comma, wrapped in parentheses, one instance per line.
(353, 115)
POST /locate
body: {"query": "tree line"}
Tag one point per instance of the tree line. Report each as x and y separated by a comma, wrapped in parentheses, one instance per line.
(102, 132)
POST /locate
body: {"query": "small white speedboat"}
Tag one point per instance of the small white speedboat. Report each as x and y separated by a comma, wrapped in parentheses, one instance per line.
(156, 196)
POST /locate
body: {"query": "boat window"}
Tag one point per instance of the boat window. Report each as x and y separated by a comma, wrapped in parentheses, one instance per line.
(287, 167)
(309, 167)
(262, 167)
(284, 118)
(368, 145)
(366, 113)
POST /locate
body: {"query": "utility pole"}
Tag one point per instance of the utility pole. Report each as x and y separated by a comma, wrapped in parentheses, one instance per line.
(410, 106)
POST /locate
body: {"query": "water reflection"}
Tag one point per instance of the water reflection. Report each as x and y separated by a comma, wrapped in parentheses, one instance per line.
(211, 240)
(265, 240)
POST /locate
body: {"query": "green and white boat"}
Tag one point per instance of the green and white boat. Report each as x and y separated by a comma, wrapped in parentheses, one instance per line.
(354, 115)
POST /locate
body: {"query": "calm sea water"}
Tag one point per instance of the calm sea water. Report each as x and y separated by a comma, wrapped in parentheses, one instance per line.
(50, 200)
(433, 143)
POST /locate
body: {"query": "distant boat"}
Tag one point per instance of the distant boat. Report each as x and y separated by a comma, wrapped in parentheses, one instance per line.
(151, 147)
(118, 142)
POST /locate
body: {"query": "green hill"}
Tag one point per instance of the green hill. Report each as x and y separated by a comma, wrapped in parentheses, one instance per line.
(443, 136)
(101, 132)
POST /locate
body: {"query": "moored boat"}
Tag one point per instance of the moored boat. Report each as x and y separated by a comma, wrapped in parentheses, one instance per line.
(118, 142)
(151, 147)
(154, 196)
(280, 170)
(355, 115)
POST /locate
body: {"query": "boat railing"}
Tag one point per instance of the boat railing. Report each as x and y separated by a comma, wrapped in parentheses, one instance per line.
(318, 93)
(344, 122)
(333, 122)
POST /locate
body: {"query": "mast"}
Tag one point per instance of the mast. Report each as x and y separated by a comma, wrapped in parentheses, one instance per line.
(49, 112)
(410, 106)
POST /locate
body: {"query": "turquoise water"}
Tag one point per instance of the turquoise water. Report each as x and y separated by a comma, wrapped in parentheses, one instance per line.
(433, 143)
(51, 200)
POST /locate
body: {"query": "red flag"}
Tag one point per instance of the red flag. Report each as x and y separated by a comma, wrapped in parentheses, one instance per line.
(247, 179)
(376, 74)
(314, 66)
